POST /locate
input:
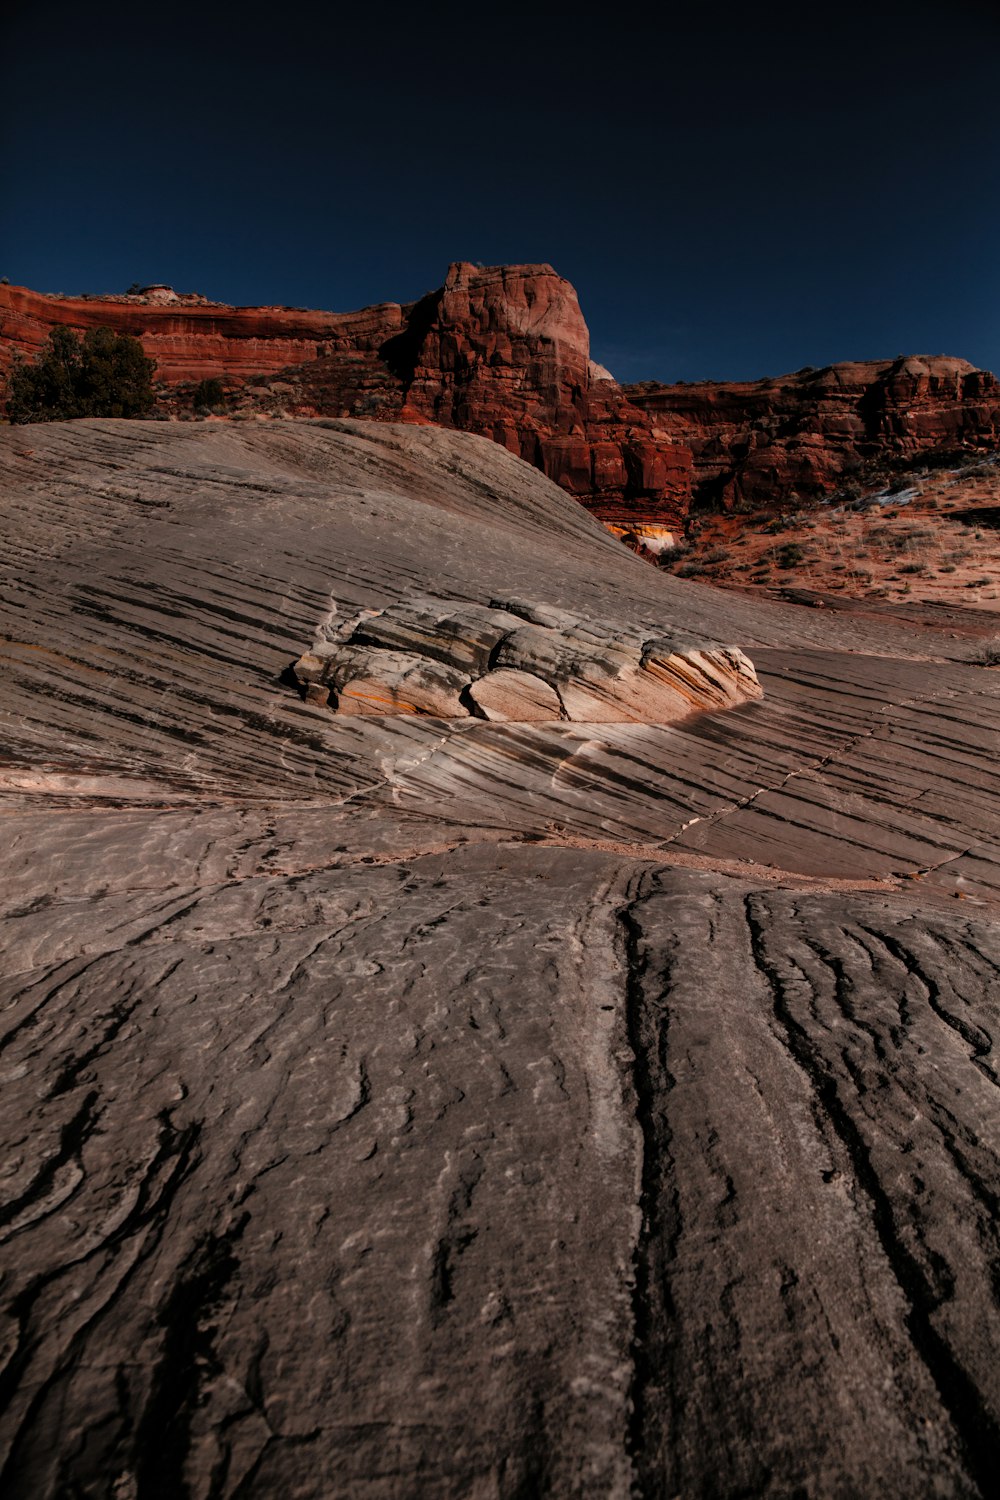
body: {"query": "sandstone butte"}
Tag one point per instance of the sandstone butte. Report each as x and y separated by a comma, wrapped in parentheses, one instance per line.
(504, 351)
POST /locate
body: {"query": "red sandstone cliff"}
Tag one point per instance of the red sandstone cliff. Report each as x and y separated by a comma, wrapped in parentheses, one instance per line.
(504, 351)
(190, 338)
(761, 441)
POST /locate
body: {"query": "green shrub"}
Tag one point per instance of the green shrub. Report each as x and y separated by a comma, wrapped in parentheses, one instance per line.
(106, 374)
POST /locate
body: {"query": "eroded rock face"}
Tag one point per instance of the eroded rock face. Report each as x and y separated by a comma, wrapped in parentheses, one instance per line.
(504, 351)
(501, 351)
(517, 662)
(192, 339)
(757, 442)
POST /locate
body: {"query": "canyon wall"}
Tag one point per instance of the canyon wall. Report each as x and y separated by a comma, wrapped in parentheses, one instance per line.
(191, 338)
(763, 441)
(504, 351)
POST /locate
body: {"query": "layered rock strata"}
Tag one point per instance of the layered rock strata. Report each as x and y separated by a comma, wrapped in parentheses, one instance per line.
(502, 351)
(763, 441)
(191, 338)
(517, 662)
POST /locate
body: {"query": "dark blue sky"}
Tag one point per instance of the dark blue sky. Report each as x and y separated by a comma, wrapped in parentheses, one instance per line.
(733, 192)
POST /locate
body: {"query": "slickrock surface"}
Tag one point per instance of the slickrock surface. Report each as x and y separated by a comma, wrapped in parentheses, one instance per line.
(402, 1105)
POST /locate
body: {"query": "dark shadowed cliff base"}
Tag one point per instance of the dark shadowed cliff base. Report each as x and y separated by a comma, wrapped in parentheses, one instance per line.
(398, 1105)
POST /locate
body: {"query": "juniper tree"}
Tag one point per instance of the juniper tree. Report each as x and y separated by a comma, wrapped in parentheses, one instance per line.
(106, 374)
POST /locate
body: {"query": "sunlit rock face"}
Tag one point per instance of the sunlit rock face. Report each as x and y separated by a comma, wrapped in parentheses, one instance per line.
(502, 351)
(191, 338)
(757, 442)
(517, 662)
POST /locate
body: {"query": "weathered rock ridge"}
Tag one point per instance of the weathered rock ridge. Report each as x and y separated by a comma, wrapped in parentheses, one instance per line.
(517, 662)
(192, 339)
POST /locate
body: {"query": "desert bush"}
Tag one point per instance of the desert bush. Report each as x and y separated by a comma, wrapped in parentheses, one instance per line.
(106, 374)
(989, 654)
(670, 555)
(208, 394)
(790, 555)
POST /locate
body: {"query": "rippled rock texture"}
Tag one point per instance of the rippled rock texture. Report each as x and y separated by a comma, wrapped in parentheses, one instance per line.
(397, 1105)
(516, 662)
